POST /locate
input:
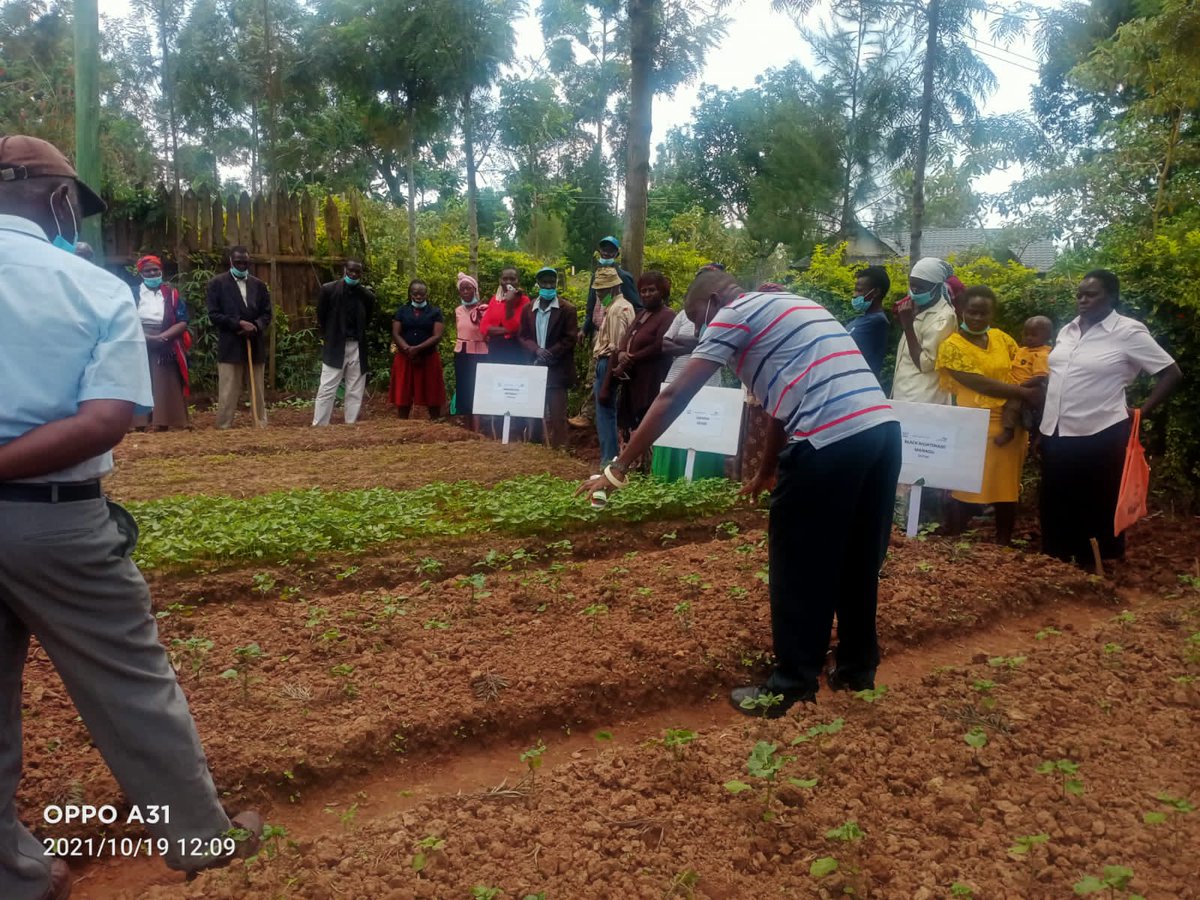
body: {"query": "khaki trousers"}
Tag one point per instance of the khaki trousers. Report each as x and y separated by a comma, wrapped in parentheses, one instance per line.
(231, 382)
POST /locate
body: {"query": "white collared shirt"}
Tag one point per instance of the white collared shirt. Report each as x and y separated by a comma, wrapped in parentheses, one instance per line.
(1090, 370)
(241, 283)
(151, 308)
(922, 384)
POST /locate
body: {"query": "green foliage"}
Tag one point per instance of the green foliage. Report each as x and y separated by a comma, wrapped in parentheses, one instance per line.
(1065, 769)
(1115, 878)
(278, 526)
(976, 738)
(825, 865)
(1023, 844)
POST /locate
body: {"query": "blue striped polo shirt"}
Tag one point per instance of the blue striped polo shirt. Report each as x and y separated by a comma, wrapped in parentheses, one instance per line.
(800, 363)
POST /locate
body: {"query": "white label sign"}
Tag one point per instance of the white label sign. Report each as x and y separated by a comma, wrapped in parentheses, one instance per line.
(944, 446)
(712, 423)
(510, 390)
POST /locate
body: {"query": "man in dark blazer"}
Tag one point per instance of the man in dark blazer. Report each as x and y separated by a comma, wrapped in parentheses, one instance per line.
(239, 305)
(549, 332)
(345, 309)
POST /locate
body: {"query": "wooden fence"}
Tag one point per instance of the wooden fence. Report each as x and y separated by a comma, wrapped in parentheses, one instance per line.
(280, 230)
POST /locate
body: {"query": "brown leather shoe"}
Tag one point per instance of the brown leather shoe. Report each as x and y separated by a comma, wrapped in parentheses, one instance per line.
(248, 821)
(60, 881)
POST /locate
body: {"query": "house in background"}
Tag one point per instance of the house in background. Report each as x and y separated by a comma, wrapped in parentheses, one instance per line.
(869, 247)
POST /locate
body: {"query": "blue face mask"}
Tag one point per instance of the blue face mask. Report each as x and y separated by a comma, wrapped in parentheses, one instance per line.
(238, 273)
(923, 300)
(964, 327)
(350, 281)
(547, 293)
(860, 304)
(63, 244)
(59, 241)
(420, 304)
(471, 302)
(608, 262)
(153, 283)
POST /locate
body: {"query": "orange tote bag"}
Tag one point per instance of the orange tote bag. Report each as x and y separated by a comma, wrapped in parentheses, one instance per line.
(1135, 481)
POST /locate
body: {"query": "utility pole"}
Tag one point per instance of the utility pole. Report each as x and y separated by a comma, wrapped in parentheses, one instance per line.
(922, 159)
(87, 111)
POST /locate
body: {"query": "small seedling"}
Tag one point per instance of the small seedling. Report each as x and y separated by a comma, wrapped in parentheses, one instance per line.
(819, 731)
(1115, 878)
(428, 566)
(248, 657)
(425, 847)
(683, 614)
(603, 735)
(825, 865)
(194, 650)
(976, 738)
(474, 584)
(676, 739)
(593, 612)
(683, 884)
(533, 759)
(1125, 617)
(1007, 662)
(264, 582)
(1064, 768)
(482, 892)
(765, 762)
(344, 671)
(764, 701)
(1026, 842)
(847, 832)
(738, 593)
(1049, 631)
(872, 695)
(435, 625)
(958, 889)
(1111, 649)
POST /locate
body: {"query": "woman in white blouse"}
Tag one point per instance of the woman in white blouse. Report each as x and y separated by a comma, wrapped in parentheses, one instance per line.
(1085, 425)
(164, 317)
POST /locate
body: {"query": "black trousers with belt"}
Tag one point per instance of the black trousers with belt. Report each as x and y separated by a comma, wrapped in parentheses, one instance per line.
(1081, 478)
(830, 525)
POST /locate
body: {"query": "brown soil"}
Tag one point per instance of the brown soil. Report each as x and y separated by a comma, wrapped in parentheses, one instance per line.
(389, 704)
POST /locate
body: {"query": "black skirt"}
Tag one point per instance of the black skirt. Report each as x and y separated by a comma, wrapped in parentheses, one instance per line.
(464, 380)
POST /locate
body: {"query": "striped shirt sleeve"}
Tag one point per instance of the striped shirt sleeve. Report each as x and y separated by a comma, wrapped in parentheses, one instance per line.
(724, 338)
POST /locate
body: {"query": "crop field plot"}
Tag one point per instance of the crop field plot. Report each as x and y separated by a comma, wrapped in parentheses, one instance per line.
(438, 674)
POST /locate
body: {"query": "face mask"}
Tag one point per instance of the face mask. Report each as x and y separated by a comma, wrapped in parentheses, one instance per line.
(470, 302)
(238, 273)
(964, 327)
(608, 262)
(420, 304)
(59, 241)
(350, 281)
(922, 300)
(547, 293)
(153, 283)
(860, 304)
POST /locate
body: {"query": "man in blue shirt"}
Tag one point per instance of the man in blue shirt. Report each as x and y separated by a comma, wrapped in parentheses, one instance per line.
(869, 328)
(73, 371)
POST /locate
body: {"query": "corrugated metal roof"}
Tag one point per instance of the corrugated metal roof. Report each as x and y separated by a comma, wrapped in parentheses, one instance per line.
(942, 242)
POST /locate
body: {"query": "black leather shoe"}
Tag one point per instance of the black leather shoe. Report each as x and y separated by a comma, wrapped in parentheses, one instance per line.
(751, 701)
(60, 881)
(839, 682)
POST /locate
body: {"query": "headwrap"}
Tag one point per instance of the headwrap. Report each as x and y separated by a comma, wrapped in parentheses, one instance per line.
(772, 287)
(146, 260)
(932, 269)
(956, 288)
(464, 278)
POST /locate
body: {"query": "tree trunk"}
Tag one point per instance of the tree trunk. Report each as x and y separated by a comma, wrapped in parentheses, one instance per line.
(922, 159)
(468, 126)
(272, 163)
(643, 31)
(168, 88)
(852, 130)
(1164, 172)
(412, 199)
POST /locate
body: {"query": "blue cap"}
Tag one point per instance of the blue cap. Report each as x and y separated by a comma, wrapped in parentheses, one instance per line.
(611, 240)
(546, 270)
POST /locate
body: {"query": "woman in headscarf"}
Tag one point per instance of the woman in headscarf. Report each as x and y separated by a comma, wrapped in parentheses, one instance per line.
(470, 348)
(164, 319)
(927, 319)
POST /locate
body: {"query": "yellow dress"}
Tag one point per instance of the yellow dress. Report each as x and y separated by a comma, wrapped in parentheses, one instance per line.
(1002, 466)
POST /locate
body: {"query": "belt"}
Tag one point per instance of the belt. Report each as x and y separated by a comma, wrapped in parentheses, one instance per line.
(49, 493)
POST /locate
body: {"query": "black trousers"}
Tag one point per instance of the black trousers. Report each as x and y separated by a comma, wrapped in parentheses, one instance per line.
(830, 525)
(1081, 478)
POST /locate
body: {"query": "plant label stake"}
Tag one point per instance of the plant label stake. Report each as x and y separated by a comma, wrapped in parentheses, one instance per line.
(507, 426)
(689, 467)
(914, 509)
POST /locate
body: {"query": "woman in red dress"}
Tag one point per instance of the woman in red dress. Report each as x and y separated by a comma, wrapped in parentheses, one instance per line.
(417, 367)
